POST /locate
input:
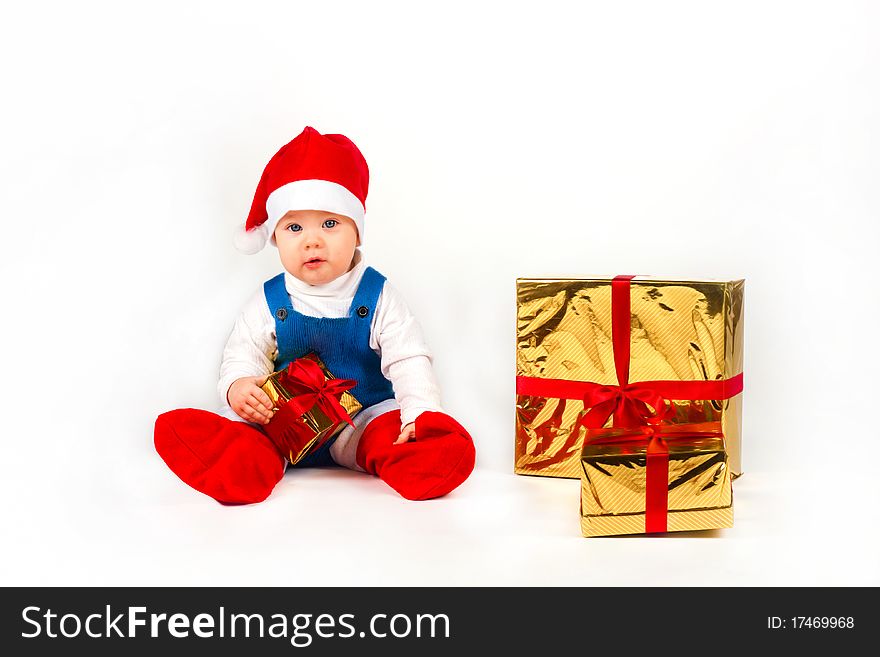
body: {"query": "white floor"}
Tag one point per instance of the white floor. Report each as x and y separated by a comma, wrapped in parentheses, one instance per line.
(91, 523)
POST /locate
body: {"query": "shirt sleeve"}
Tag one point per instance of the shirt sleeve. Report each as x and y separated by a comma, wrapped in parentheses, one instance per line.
(251, 347)
(406, 360)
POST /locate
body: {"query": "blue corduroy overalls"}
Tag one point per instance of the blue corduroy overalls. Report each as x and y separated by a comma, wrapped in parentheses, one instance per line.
(343, 343)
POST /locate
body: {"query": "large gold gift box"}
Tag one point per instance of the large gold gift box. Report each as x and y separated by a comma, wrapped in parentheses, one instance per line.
(298, 434)
(614, 483)
(680, 332)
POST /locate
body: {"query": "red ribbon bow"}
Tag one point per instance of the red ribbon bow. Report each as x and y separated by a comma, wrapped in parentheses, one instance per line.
(657, 460)
(630, 404)
(308, 387)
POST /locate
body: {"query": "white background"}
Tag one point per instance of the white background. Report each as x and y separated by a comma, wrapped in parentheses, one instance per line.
(677, 138)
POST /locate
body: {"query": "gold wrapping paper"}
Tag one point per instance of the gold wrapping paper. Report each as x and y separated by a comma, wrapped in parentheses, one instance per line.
(319, 427)
(613, 486)
(681, 330)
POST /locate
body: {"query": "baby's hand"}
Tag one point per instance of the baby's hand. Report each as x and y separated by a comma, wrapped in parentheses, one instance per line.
(407, 433)
(249, 401)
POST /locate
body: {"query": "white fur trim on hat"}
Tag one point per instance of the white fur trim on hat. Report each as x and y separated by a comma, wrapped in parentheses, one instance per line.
(320, 195)
(251, 241)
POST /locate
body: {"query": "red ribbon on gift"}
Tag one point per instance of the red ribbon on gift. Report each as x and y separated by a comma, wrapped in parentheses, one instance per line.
(630, 404)
(656, 461)
(308, 387)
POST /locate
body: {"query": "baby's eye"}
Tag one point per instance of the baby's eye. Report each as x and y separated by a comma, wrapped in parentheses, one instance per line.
(330, 223)
(294, 228)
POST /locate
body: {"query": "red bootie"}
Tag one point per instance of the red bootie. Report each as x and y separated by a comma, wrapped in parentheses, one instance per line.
(439, 459)
(230, 461)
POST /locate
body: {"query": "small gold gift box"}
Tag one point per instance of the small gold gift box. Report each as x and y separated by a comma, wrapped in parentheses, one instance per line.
(693, 474)
(297, 434)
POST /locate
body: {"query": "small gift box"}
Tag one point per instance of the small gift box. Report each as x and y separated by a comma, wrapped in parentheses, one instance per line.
(652, 479)
(311, 406)
(623, 352)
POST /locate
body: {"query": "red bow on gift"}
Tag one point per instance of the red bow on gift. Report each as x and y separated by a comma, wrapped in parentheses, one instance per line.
(630, 405)
(308, 387)
(655, 434)
(657, 459)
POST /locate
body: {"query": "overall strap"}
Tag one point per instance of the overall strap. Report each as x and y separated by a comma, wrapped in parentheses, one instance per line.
(278, 299)
(363, 305)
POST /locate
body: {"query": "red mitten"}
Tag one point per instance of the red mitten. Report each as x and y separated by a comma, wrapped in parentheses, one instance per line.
(437, 461)
(230, 461)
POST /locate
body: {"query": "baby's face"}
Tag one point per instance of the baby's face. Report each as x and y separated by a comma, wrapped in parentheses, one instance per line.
(316, 247)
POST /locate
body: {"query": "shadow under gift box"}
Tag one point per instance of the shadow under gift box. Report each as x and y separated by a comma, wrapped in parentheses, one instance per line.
(295, 434)
(679, 331)
(614, 481)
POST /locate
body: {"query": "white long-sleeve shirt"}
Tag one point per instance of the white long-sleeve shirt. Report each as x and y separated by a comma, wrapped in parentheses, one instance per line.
(395, 336)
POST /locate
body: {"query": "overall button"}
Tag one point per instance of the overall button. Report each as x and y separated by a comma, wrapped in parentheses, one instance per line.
(363, 311)
(281, 314)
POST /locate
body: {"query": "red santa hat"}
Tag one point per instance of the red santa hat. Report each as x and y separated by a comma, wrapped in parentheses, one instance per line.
(312, 172)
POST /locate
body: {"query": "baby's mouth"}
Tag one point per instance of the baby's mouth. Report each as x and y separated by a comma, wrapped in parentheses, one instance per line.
(313, 262)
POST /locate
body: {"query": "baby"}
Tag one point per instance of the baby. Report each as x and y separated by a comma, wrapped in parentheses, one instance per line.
(310, 203)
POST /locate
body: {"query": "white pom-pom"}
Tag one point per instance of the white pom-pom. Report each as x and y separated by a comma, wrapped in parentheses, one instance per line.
(250, 241)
